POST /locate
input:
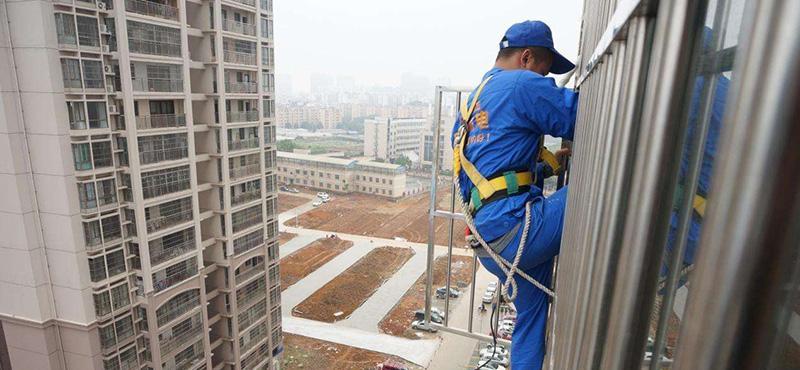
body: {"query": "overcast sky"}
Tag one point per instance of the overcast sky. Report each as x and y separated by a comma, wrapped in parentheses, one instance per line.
(376, 41)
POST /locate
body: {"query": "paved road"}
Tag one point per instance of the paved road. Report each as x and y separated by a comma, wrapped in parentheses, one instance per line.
(296, 243)
(416, 351)
(368, 316)
(304, 288)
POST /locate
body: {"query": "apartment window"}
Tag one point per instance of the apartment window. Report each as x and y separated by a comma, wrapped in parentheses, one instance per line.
(102, 304)
(82, 157)
(92, 74)
(88, 34)
(336, 177)
(171, 245)
(174, 274)
(91, 233)
(268, 107)
(177, 306)
(168, 214)
(246, 218)
(117, 332)
(161, 182)
(71, 73)
(97, 269)
(77, 115)
(267, 56)
(159, 148)
(120, 296)
(390, 182)
(153, 39)
(97, 112)
(65, 28)
(101, 154)
(87, 196)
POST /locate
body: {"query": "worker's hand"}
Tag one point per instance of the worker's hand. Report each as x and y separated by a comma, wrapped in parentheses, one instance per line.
(563, 153)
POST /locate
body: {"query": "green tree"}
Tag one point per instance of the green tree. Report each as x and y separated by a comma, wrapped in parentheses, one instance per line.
(286, 145)
(403, 161)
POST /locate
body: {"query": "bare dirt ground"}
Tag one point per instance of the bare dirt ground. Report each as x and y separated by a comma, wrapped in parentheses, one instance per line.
(363, 214)
(287, 202)
(398, 321)
(309, 258)
(309, 353)
(354, 286)
(284, 237)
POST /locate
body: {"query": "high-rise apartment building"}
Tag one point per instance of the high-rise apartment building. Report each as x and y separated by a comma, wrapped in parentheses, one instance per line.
(389, 138)
(138, 209)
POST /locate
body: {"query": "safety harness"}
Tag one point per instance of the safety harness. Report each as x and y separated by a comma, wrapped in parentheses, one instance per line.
(488, 190)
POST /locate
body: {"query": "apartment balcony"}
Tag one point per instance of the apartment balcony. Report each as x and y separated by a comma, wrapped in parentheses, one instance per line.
(155, 121)
(253, 314)
(189, 358)
(242, 116)
(243, 198)
(157, 85)
(171, 246)
(231, 25)
(154, 48)
(161, 155)
(241, 87)
(252, 292)
(250, 272)
(193, 333)
(177, 306)
(239, 57)
(152, 9)
(242, 144)
(257, 335)
(101, 204)
(244, 171)
(174, 274)
(164, 221)
(246, 2)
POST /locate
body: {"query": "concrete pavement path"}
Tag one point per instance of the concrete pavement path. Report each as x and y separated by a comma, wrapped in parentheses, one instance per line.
(296, 243)
(416, 351)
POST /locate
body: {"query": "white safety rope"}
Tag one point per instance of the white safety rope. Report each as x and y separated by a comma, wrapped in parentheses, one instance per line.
(508, 268)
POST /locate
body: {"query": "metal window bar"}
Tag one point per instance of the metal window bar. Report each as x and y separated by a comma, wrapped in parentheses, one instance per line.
(153, 39)
(247, 2)
(251, 315)
(187, 358)
(65, 29)
(256, 357)
(160, 148)
(88, 35)
(162, 182)
(247, 217)
(152, 9)
(243, 87)
(188, 330)
(252, 337)
(162, 120)
(168, 214)
(172, 245)
(232, 25)
(257, 266)
(242, 116)
(251, 292)
(177, 306)
(247, 242)
(239, 57)
(158, 85)
(174, 274)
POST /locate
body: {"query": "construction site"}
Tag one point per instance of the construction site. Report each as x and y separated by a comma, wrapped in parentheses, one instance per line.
(352, 274)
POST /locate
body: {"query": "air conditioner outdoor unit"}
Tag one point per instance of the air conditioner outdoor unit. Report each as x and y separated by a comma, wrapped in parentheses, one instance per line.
(106, 49)
(101, 5)
(103, 27)
(107, 68)
(112, 108)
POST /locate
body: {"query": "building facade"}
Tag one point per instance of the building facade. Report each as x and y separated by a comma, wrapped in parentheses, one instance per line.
(139, 205)
(389, 138)
(342, 175)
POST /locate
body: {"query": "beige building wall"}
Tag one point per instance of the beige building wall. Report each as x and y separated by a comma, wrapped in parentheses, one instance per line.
(341, 175)
(139, 206)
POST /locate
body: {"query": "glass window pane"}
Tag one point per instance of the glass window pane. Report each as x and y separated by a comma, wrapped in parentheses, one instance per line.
(92, 74)
(65, 28)
(71, 73)
(97, 113)
(88, 34)
(81, 157)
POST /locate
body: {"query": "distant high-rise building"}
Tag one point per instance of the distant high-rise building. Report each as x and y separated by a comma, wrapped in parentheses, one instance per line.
(389, 138)
(138, 209)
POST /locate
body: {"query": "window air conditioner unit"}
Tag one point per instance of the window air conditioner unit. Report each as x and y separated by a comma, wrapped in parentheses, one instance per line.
(106, 67)
(101, 5)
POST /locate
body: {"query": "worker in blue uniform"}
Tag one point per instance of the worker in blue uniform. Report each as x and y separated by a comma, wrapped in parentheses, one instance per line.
(498, 149)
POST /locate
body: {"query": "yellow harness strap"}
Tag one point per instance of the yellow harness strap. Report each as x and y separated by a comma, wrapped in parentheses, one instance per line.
(485, 187)
(699, 205)
(549, 158)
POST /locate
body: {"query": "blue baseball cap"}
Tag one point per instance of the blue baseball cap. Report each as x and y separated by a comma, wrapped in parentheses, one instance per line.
(535, 33)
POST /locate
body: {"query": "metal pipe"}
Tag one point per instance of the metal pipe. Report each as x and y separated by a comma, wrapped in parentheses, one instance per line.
(449, 235)
(437, 116)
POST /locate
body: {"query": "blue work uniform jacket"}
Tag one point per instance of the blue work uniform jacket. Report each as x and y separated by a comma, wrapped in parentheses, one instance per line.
(516, 107)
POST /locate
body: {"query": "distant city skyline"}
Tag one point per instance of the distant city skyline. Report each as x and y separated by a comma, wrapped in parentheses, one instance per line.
(374, 44)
